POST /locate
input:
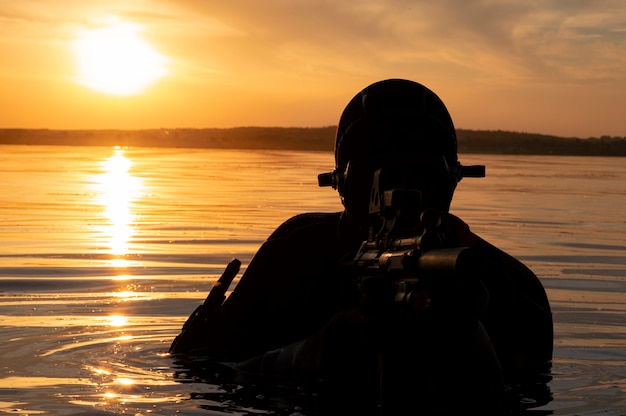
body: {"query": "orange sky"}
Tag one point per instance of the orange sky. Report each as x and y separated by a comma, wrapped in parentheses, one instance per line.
(554, 67)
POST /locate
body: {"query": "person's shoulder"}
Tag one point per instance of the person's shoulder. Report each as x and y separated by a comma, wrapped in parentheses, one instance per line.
(307, 220)
(305, 240)
(459, 231)
(524, 280)
(464, 236)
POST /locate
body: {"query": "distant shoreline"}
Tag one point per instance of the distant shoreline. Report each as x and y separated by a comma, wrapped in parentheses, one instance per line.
(308, 138)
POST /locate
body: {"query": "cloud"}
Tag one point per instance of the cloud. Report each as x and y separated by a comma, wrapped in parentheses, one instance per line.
(480, 39)
(545, 53)
(524, 40)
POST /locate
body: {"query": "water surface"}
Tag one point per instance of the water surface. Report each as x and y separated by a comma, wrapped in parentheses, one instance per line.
(105, 252)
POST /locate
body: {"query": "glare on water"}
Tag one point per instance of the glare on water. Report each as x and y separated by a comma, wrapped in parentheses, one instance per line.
(117, 190)
(106, 251)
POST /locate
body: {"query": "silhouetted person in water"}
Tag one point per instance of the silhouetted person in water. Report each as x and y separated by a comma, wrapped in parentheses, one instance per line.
(393, 302)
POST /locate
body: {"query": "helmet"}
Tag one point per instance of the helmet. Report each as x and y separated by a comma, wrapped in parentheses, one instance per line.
(394, 115)
(400, 124)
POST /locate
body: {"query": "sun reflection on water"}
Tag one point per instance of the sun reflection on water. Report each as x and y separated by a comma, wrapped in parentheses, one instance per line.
(127, 385)
(118, 320)
(117, 191)
(122, 277)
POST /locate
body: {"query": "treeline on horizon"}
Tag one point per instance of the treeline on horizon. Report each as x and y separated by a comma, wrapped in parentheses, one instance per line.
(308, 138)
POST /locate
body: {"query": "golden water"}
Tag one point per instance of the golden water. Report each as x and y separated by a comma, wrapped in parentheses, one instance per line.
(105, 252)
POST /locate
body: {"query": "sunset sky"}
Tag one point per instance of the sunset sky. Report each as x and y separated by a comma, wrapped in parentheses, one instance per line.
(554, 67)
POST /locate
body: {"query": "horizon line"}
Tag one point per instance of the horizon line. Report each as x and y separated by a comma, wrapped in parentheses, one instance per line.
(103, 129)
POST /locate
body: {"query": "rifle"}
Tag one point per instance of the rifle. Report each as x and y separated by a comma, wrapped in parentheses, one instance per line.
(406, 256)
(196, 323)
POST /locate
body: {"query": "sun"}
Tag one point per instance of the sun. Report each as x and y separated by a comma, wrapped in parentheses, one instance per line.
(115, 60)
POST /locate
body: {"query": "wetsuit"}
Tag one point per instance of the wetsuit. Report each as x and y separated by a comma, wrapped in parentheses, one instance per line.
(295, 311)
